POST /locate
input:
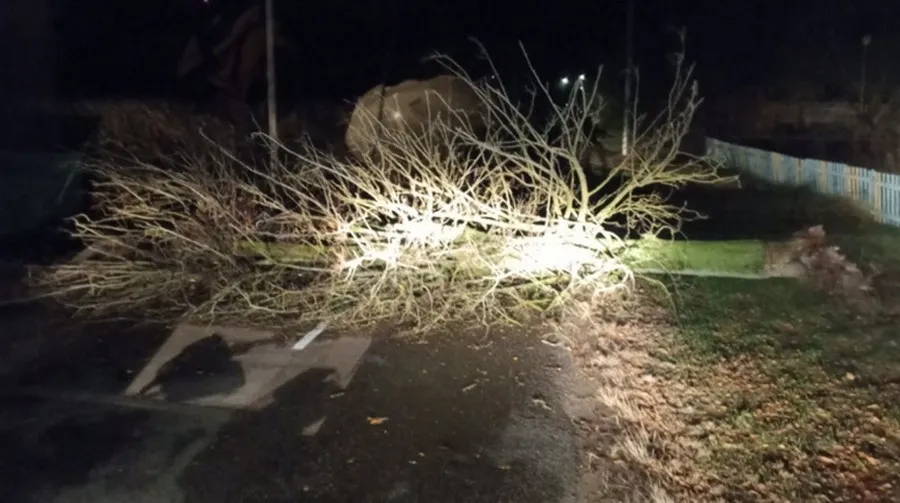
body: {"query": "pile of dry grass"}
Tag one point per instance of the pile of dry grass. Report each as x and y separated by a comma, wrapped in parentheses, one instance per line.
(810, 256)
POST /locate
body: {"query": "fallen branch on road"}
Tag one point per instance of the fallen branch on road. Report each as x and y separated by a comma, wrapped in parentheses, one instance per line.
(455, 224)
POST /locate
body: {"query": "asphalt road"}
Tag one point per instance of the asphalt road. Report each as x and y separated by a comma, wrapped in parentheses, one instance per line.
(454, 419)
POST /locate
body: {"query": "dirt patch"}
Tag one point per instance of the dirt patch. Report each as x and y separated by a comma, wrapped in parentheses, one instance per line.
(621, 418)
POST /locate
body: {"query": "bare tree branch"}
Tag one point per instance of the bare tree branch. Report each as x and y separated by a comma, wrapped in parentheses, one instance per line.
(452, 224)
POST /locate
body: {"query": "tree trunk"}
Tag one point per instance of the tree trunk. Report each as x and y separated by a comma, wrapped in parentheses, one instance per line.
(741, 259)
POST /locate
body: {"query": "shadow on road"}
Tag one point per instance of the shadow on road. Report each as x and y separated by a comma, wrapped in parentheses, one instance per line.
(204, 368)
(437, 422)
(45, 448)
(447, 421)
(44, 347)
(260, 454)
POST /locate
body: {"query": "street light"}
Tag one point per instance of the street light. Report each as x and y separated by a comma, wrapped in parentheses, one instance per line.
(866, 40)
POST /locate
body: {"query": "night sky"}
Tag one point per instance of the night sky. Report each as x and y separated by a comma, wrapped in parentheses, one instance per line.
(342, 46)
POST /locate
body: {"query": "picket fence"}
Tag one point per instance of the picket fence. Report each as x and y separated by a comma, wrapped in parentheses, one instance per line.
(875, 191)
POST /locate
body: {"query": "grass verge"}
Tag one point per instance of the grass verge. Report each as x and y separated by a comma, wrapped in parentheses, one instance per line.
(766, 390)
(795, 395)
(802, 395)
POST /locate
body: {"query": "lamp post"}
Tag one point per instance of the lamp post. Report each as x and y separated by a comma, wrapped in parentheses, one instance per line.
(270, 84)
(866, 40)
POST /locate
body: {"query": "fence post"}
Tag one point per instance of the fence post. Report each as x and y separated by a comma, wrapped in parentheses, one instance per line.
(822, 179)
(878, 207)
(890, 204)
(852, 183)
(777, 162)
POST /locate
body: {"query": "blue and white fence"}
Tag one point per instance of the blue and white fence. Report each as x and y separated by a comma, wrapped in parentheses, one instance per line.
(876, 191)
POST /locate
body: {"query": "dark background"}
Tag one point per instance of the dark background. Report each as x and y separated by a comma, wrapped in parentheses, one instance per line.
(340, 48)
(114, 47)
(72, 50)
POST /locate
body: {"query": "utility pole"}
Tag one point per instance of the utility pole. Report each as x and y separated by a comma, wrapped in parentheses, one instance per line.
(270, 81)
(629, 67)
(391, 35)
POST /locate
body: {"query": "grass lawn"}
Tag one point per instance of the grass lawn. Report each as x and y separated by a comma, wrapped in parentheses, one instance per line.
(804, 394)
(800, 391)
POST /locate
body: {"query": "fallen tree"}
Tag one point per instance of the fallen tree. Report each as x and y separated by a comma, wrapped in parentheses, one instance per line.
(741, 258)
(460, 223)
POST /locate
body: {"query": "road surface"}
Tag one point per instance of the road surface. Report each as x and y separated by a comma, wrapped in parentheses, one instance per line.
(458, 418)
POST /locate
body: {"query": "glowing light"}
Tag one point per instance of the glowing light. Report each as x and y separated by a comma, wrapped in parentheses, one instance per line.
(564, 81)
(565, 248)
(427, 232)
(581, 77)
(539, 256)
